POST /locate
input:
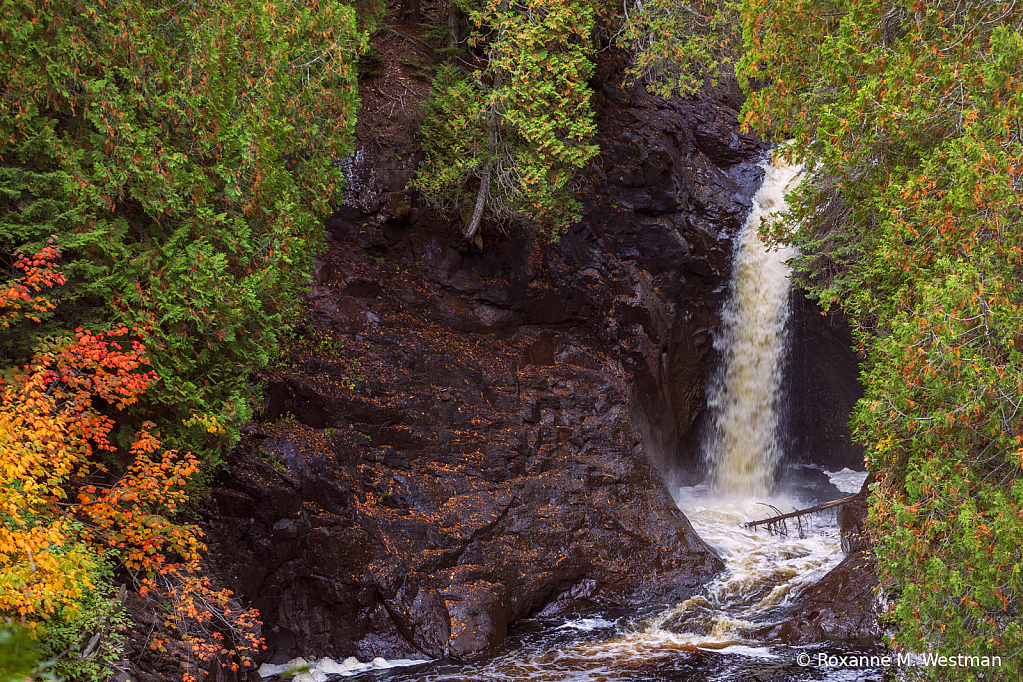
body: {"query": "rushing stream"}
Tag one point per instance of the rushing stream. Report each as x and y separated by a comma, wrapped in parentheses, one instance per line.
(706, 637)
(712, 635)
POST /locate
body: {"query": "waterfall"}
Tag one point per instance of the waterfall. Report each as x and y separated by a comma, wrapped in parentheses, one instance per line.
(742, 448)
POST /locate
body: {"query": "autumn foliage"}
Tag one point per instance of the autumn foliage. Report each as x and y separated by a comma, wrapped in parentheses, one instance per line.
(908, 115)
(178, 160)
(184, 156)
(64, 514)
(680, 46)
(21, 299)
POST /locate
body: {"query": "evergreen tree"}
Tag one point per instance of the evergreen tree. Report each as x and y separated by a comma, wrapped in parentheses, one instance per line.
(909, 116)
(183, 155)
(680, 46)
(507, 137)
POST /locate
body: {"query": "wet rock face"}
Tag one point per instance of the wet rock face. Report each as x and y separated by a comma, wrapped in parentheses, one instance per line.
(671, 191)
(837, 608)
(468, 482)
(821, 386)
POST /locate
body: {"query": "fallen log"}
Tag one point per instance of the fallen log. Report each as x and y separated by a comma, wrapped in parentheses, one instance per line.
(777, 523)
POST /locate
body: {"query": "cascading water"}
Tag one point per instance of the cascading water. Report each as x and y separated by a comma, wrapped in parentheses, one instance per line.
(742, 450)
(711, 635)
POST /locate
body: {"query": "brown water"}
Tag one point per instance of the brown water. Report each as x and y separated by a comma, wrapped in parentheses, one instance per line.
(706, 637)
(743, 449)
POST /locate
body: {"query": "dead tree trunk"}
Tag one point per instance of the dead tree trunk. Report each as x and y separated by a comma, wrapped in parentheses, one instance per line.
(776, 524)
(481, 200)
(411, 11)
(494, 120)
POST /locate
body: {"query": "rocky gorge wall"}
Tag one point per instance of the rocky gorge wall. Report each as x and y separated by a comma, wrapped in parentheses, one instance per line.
(463, 438)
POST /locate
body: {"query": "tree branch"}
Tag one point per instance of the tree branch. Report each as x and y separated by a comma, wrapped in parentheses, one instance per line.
(775, 520)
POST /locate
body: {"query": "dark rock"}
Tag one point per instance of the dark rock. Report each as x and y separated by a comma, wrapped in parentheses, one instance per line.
(721, 141)
(837, 608)
(322, 271)
(821, 387)
(540, 352)
(431, 621)
(674, 231)
(294, 398)
(852, 517)
(479, 617)
(362, 288)
(462, 522)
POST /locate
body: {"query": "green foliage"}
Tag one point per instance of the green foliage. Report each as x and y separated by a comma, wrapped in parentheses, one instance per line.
(33, 206)
(506, 138)
(368, 13)
(184, 154)
(370, 64)
(86, 645)
(18, 658)
(83, 638)
(272, 457)
(677, 46)
(909, 115)
(510, 135)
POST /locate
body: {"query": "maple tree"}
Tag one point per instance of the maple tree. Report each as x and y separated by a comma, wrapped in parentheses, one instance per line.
(64, 519)
(181, 157)
(22, 299)
(908, 116)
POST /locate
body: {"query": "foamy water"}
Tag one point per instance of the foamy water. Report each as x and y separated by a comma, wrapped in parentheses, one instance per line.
(742, 449)
(324, 669)
(763, 574)
(847, 480)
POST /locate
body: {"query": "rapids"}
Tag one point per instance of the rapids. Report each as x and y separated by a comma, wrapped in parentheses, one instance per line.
(707, 637)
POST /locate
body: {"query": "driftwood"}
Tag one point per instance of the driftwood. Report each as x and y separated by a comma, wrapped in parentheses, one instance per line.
(776, 524)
